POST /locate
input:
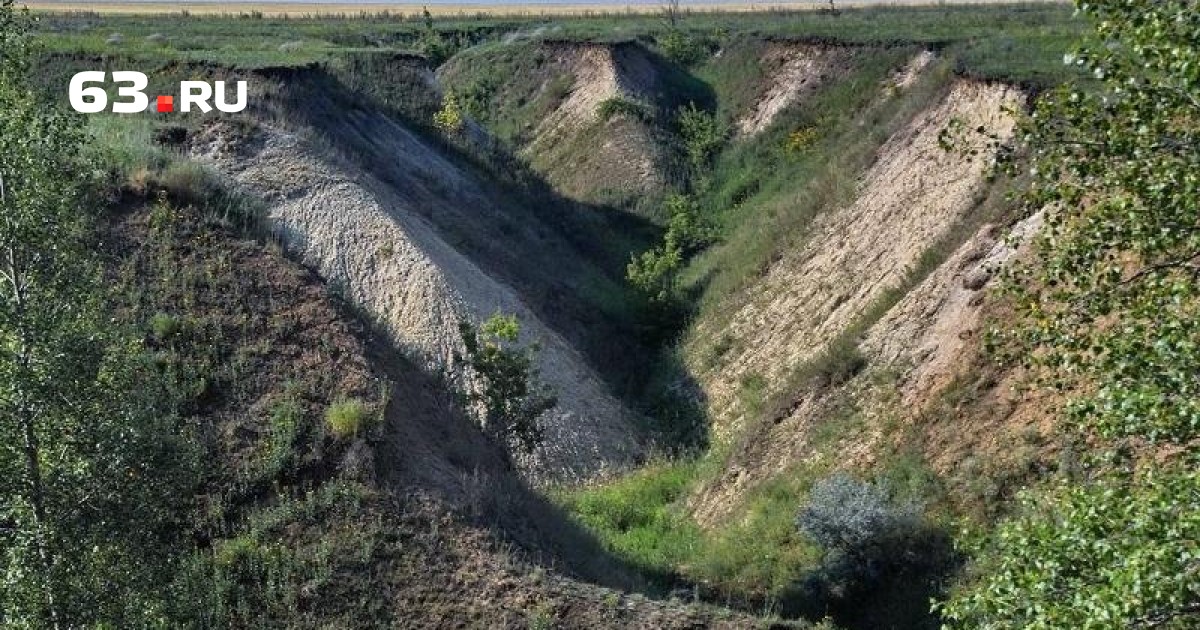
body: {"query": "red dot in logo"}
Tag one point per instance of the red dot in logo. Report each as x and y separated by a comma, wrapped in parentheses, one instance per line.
(166, 103)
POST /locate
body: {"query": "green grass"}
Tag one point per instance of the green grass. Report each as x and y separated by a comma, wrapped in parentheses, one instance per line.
(641, 519)
(763, 197)
(1021, 43)
(638, 517)
(347, 417)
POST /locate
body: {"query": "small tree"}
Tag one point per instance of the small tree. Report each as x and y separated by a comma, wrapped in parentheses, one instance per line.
(450, 117)
(702, 135)
(92, 484)
(671, 11)
(509, 391)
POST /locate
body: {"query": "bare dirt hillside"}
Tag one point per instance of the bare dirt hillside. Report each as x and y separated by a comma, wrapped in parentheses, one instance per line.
(794, 71)
(581, 113)
(917, 354)
(911, 196)
(368, 238)
(912, 70)
(580, 150)
(393, 520)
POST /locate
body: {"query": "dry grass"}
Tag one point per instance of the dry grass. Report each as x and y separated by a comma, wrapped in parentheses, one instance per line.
(302, 9)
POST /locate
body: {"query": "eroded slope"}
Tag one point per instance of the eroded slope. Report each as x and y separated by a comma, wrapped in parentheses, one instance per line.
(559, 104)
(855, 254)
(368, 237)
(308, 527)
(793, 72)
(921, 348)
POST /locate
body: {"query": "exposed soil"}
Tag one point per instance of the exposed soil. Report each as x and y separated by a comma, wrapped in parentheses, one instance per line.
(912, 195)
(368, 239)
(794, 72)
(911, 71)
(586, 156)
(928, 342)
(435, 558)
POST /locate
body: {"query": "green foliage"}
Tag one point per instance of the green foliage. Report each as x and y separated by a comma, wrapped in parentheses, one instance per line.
(855, 518)
(1113, 293)
(346, 417)
(801, 139)
(164, 327)
(1108, 315)
(1113, 552)
(760, 197)
(653, 271)
(758, 557)
(287, 418)
(617, 106)
(541, 617)
(95, 474)
(509, 392)
(449, 119)
(702, 134)
(685, 48)
(638, 517)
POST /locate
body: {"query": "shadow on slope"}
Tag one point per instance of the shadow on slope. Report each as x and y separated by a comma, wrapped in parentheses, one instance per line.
(566, 259)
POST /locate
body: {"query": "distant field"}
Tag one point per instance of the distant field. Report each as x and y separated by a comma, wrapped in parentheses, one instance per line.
(1018, 42)
(299, 9)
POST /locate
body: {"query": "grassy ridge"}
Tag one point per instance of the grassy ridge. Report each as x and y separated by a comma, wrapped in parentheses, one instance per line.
(1020, 42)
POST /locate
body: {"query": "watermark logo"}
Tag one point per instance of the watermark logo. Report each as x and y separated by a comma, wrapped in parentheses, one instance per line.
(88, 97)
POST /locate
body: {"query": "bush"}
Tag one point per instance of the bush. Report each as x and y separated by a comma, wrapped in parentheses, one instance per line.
(876, 548)
(449, 118)
(801, 139)
(164, 327)
(346, 417)
(683, 48)
(653, 272)
(509, 390)
(839, 363)
(617, 106)
(854, 517)
(702, 135)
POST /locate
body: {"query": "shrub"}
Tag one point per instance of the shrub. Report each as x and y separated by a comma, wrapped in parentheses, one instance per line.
(617, 106)
(449, 118)
(869, 538)
(840, 362)
(346, 417)
(801, 139)
(509, 391)
(653, 272)
(435, 47)
(683, 48)
(854, 517)
(702, 135)
(164, 327)
(285, 420)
